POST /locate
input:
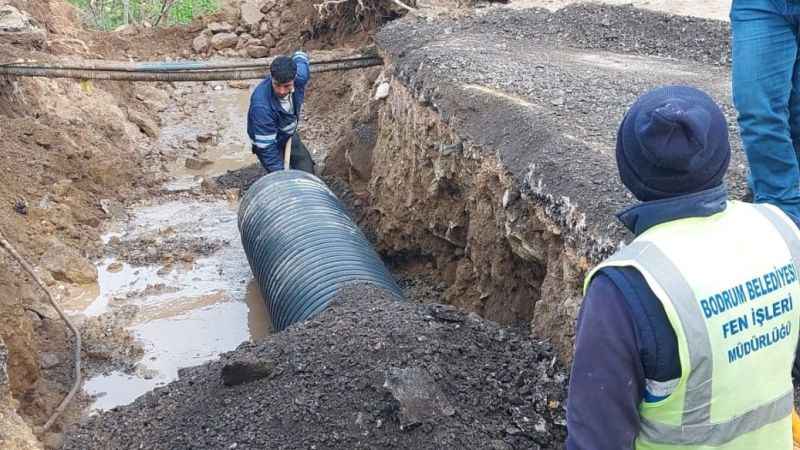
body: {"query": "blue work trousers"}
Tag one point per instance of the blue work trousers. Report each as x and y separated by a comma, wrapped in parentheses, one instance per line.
(766, 92)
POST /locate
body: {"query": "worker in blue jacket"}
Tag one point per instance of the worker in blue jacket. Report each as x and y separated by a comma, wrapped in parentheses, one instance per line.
(274, 114)
(687, 335)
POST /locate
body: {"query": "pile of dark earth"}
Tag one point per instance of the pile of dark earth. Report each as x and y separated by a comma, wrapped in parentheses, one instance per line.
(369, 372)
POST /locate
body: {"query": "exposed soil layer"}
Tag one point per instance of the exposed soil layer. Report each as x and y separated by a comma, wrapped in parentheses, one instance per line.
(70, 150)
(493, 154)
(367, 373)
(75, 154)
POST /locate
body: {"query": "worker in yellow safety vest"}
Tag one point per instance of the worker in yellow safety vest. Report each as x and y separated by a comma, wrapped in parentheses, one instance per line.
(686, 338)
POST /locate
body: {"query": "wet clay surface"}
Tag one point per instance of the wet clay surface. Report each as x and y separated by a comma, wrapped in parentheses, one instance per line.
(180, 269)
(174, 288)
(174, 265)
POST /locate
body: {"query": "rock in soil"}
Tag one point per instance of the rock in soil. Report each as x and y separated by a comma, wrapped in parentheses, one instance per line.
(65, 264)
(369, 372)
(241, 372)
(418, 395)
(196, 163)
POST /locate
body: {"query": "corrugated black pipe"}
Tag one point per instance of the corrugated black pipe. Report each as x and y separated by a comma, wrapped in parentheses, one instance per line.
(303, 247)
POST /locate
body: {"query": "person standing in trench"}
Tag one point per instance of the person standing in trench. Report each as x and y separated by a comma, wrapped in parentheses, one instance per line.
(274, 114)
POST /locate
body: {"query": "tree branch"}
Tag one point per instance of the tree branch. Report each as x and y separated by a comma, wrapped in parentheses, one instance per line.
(77, 383)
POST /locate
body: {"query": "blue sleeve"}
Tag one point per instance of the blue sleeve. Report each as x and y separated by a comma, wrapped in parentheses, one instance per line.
(607, 380)
(263, 134)
(303, 71)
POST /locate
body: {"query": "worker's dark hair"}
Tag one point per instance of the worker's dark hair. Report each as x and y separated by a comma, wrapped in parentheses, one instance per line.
(283, 69)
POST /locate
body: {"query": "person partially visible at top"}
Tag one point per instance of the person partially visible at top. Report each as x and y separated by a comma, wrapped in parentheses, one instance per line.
(766, 93)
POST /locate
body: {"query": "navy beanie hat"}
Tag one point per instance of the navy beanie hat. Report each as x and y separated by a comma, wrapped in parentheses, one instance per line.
(672, 141)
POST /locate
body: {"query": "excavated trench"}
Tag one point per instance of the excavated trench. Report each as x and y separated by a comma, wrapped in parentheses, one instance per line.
(480, 164)
(492, 157)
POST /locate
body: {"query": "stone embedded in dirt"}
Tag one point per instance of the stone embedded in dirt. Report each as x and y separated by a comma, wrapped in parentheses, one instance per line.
(196, 26)
(145, 124)
(114, 210)
(48, 360)
(209, 185)
(446, 313)
(240, 372)
(382, 91)
(3, 365)
(220, 27)
(201, 43)
(143, 371)
(205, 137)
(242, 42)
(251, 13)
(13, 20)
(263, 30)
(126, 30)
(196, 163)
(232, 195)
(65, 264)
(108, 342)
(21, 206)
(224, 41)
(420, 398)
(268, 41)
(154, 99)
(287, 21)
(17, 27)
(257, 51)
(62, 188)
(53, 440)
(239, 84)
(267, 6)
(275, 29)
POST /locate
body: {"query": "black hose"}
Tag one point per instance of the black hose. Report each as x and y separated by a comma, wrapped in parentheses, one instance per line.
(181, 75)
(303, 247)
(175, 66)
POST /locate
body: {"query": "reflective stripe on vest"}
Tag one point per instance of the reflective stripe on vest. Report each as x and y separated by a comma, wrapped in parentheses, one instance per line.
(697, 427)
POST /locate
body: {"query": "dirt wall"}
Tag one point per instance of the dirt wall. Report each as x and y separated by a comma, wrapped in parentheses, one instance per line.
(428, 194)
(492, 151)
(71, 153)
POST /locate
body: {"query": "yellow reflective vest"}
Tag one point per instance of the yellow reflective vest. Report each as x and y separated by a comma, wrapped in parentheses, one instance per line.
(729, 286)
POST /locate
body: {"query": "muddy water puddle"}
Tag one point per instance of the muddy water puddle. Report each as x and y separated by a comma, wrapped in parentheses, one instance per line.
(177, 261)
(195, 298)
(206, 126)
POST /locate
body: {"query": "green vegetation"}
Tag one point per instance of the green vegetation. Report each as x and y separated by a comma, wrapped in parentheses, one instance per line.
(110, 14)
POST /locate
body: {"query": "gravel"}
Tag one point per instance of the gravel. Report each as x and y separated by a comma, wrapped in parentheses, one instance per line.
(367, 373)
(544, 93)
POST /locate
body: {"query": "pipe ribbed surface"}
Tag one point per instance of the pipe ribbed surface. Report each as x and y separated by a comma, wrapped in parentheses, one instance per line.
(303, 247)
